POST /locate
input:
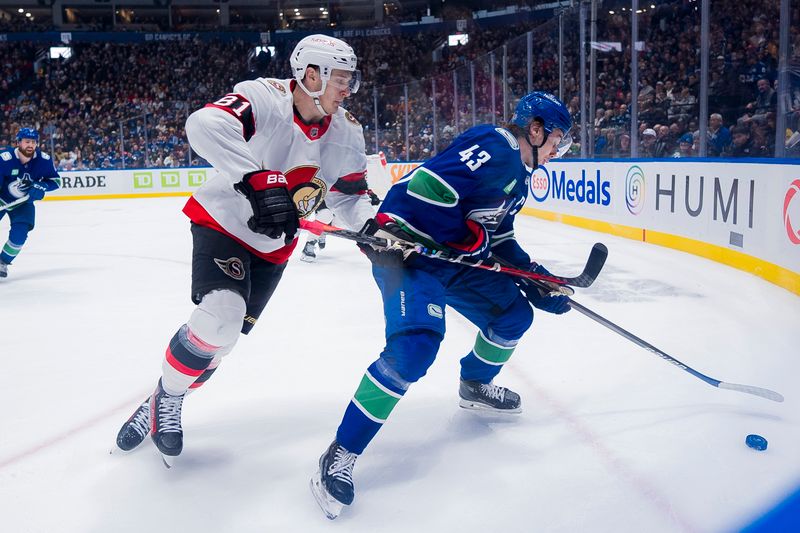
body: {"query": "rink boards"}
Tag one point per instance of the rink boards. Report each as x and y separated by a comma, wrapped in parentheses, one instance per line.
(746, 215)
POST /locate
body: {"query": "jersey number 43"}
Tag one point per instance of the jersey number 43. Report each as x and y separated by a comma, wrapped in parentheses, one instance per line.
(473, 160)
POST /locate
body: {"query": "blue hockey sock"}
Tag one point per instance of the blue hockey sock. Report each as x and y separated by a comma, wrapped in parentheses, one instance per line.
(10, 251)
(377, 394)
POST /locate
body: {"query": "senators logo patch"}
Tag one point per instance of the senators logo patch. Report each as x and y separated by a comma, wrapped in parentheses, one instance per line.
(233, 267)
(277, 85)
(308, 196)
(349, 116)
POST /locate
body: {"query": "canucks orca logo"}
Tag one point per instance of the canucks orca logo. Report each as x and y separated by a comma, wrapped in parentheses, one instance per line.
(19, 187)
(233, 267)
(492, 217)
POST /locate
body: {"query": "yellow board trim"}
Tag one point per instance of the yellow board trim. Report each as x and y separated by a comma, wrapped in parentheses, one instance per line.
(118, 196)
(783, 277)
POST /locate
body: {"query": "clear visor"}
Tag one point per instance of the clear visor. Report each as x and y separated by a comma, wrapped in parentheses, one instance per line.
(346, 80)
(563, 145)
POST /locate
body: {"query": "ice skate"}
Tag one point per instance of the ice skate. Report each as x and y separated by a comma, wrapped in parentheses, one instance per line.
(332, 485)
(3, 270)
(308, 254)
(165, 424)
(135, 429)
(488, 397)
(321, 242)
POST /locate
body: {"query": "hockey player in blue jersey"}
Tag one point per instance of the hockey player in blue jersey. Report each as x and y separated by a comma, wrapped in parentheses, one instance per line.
(462, 201)
(26, 174)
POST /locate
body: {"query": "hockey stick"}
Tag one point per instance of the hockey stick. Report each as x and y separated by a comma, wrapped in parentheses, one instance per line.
(749, 389)
(594, 264)
(7, 205)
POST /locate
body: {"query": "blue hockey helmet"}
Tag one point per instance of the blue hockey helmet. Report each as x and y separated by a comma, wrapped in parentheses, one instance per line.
(28, 133)
(550, 111)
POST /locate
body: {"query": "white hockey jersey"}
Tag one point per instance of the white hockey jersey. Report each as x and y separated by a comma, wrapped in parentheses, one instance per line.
(255, 127)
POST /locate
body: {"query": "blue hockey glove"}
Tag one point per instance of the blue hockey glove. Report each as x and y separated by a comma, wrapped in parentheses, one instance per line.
(37, 190)
(548, 301)
(391, 257)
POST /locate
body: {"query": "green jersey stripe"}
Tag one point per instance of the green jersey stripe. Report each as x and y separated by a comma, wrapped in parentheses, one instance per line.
(427, 186)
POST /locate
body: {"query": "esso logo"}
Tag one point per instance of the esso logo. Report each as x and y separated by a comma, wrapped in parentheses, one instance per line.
(540, 184)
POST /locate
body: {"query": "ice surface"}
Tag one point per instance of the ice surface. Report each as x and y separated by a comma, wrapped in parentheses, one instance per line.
(611, 438)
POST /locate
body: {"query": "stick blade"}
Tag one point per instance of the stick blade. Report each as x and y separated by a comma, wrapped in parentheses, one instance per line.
(749, 389)
(597, 258)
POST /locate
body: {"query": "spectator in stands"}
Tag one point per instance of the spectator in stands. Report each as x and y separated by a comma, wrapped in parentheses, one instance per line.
(765, 102)
(648, 146)
(719, 137)
(601, 142)
(763, 135)
(624, 148)
(663, 144)
(742, 145)
(87, 97)
(685, 148)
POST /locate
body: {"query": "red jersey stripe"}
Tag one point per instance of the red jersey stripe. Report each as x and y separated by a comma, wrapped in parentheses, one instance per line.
(201, 217)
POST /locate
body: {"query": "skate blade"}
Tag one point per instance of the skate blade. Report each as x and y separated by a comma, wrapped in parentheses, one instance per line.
(116, 450)
(307, 258)
(329, 505)
(168, 460)
(475, 406)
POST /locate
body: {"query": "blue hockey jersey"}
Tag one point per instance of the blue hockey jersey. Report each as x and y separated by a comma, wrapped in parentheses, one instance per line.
(17, 177)
(478, 178)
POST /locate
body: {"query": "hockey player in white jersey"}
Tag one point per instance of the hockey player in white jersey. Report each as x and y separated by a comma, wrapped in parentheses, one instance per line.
(278, 146)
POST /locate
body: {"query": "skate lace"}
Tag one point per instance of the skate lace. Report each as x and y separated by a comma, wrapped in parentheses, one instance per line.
(342, 465)
(493, 391)
(169, 413)
(141, 420)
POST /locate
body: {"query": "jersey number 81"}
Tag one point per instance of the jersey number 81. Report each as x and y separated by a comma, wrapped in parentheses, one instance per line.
(467, 156)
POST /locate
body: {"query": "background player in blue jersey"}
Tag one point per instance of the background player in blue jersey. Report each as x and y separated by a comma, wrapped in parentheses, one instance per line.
(462, 201)
(26, 174)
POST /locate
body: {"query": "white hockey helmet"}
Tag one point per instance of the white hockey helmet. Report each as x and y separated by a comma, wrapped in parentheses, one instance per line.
(327, 53)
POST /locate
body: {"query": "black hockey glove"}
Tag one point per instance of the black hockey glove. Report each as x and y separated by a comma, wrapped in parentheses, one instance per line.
(393, 256)
(373, 198)
(548, 301)
(274, 213)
